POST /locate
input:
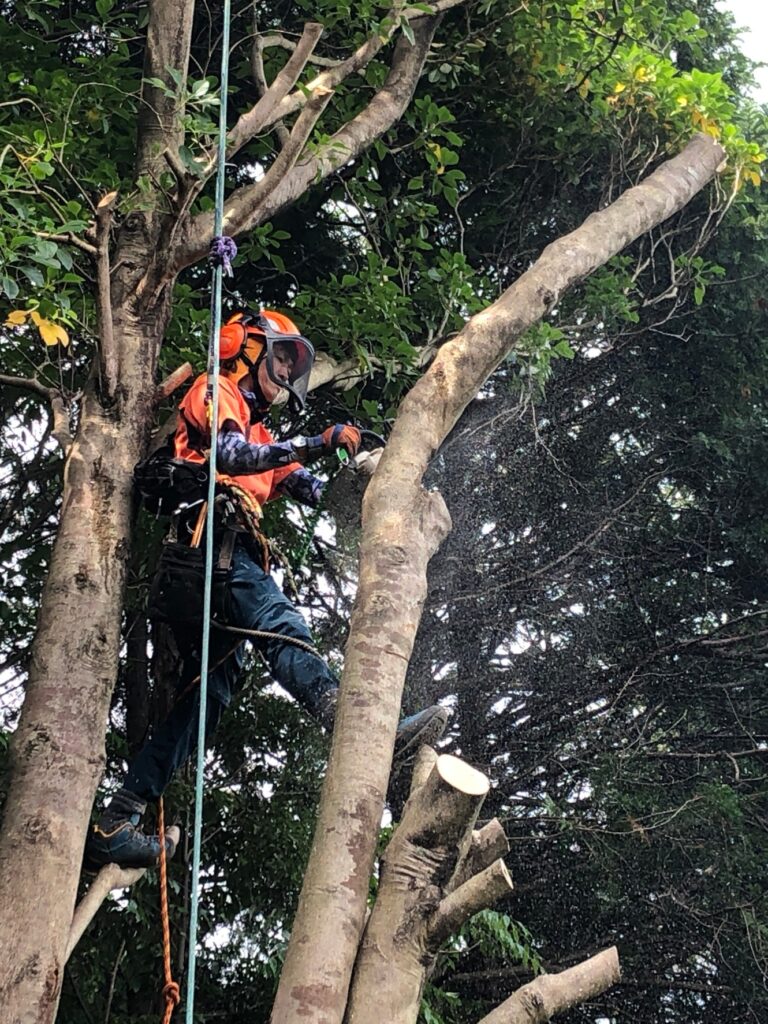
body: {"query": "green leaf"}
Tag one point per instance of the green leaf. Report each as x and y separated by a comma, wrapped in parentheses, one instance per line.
(33, 275)
(408, 32)
(9, 286)
(104, 7)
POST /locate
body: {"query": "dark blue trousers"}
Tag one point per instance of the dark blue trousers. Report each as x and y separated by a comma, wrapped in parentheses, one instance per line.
(254, 602)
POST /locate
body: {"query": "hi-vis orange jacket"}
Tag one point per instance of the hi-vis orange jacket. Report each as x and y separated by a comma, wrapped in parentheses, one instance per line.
(193, 435)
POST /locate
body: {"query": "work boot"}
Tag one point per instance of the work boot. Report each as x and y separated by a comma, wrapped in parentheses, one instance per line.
(117, 839)
(424, 727)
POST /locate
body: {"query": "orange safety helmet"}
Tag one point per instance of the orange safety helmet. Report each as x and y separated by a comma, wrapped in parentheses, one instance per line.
(249, 337)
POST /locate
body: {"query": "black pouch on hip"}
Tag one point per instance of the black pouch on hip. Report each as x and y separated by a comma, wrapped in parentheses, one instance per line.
(177, 592)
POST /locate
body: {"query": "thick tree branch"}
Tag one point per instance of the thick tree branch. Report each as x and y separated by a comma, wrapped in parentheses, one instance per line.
(422, 768)
(257, 203)
(259, 193)
(108, 879)
(487, 845)
(259, 76)
(173, 381)
(477, 893)
(402, 528)
(161, 110)
(412, 916)
(259, 116)
(364, 53)
(551, 994)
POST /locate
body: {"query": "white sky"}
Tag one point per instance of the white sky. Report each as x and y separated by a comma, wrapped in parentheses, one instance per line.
(752, 16)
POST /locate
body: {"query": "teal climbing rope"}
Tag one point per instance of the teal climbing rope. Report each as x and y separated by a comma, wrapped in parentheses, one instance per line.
(213, 398)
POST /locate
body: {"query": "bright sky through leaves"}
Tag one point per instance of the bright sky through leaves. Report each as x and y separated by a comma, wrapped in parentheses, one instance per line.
(752, 16)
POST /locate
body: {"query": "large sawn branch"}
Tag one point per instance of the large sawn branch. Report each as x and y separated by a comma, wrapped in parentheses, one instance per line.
(403, 524)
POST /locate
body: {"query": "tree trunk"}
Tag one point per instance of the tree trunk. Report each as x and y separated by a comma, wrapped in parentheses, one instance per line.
(57, 754)
(402, 526)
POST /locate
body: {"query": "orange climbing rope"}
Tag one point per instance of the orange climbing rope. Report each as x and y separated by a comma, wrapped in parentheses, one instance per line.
(171, 991)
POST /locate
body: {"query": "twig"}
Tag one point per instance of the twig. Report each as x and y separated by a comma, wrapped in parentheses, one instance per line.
(112, 980)
(70, 239)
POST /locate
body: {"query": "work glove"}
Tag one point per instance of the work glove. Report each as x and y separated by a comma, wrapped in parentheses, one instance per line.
(341, 435)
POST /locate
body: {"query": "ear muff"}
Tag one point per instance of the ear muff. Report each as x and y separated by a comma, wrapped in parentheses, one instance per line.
(232, 339)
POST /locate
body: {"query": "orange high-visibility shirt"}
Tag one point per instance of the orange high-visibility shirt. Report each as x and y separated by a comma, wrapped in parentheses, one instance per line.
(233, 407)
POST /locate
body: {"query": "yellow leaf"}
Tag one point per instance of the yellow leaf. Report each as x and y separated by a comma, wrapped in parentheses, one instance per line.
(641, 74)
(35, 317)
(682, 101)
(17, 317)
(562, 68)
(52, 334)
(584, 88)
(710, 128)
(619, 87)
(752, 176)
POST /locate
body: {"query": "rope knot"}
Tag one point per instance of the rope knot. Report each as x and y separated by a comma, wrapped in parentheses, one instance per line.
(172, 993)
(223, 250)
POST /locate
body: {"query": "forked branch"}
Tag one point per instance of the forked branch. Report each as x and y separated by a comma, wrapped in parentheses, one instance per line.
(255, 204)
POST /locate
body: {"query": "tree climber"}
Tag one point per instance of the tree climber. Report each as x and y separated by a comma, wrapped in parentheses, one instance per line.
(263, 360)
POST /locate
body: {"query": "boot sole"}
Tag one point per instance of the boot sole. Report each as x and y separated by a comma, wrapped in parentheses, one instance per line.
(429, 733)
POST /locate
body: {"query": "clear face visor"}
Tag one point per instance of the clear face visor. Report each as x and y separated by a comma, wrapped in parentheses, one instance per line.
(289, 359)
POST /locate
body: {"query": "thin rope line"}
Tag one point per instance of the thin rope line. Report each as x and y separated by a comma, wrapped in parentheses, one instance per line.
(213, 390)
(171, 992)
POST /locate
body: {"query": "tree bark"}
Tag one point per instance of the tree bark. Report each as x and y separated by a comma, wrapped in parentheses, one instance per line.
(550, 994)
(402, 526)
(57, 753)
(415, 910)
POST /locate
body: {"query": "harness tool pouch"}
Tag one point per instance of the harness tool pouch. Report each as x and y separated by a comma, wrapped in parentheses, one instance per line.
(165, 482)
(177, 591)
(177, 594)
